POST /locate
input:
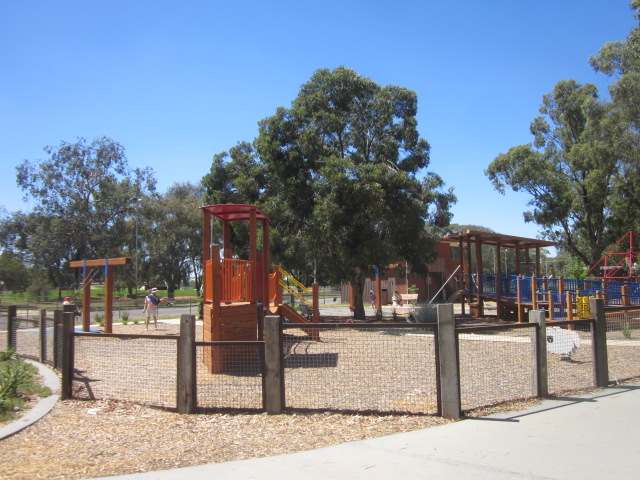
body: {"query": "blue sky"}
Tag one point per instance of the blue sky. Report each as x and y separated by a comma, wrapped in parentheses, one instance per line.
(177, 82)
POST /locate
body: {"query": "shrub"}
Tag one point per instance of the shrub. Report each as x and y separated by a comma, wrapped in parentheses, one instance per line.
(8, 354)
(16, 379)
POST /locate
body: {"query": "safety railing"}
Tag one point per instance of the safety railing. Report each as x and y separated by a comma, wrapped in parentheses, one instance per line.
(237, 280)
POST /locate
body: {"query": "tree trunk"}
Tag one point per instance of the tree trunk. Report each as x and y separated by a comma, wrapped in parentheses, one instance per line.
(358, 303)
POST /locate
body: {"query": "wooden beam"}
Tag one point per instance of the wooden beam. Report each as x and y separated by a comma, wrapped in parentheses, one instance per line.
(100, 262)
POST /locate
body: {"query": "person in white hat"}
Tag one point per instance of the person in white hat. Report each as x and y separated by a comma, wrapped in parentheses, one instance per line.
(151, 303)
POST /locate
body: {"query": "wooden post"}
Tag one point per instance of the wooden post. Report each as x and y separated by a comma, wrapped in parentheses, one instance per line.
(253, 242)
(519, 299)
(67, 355)
(227, 252)
(274, 371)
(57, 331)
(278, 292)
(265, 264)
(599, 343)
(86, 300)
(186, 391)
(625, 296)
(206, 236)
(42, 328)
(108, 298)
(12, 312)
(479, 273)
(534, 297)
(569, 308)
(448, 362)
(378, 293)
(499, 267)
(315, 294)
(463, 284)
(539, 344)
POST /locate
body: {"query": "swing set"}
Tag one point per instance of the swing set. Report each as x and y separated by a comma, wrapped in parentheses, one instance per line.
(87, 275)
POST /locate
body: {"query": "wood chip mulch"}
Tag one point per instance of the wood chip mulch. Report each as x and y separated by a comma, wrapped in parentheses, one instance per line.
(84, 439)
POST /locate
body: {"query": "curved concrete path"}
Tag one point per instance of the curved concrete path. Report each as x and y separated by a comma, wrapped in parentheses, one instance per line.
(589, 436)
(43, 407)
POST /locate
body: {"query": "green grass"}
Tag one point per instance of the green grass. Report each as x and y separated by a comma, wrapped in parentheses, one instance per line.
(17, 384)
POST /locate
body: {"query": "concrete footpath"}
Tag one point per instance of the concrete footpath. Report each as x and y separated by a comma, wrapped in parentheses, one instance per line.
(590, 436)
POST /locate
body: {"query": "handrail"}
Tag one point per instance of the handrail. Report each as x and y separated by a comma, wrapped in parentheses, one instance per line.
(294, 292)
(293, 280)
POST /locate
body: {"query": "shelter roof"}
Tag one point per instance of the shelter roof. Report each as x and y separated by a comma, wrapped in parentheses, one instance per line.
(492, 238)
(233, 212)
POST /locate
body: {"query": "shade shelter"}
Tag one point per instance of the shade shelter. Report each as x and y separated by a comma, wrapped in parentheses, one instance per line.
(470, 244)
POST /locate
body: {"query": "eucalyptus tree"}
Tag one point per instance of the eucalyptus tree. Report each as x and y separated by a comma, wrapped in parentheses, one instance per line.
(341, 179)
(621, 61)
(570, 170)
(172, 236)
(84, 194)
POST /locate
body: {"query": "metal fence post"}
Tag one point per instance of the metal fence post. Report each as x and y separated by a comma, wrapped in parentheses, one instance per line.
(12, 311)
(187, 395)
(449, 367)
(539, 346)
(599, 343)
(273, 375)
(67, 355)
(42, 328)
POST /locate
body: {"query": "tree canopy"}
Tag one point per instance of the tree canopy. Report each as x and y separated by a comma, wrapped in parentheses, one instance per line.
(582, 169)
(570, 170)
(621, 60)
(338, 175)
(85, 193)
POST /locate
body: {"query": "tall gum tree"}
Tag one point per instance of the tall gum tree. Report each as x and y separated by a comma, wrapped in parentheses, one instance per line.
(621, 61)
(341, 180)
(570, 170)
(85, 192)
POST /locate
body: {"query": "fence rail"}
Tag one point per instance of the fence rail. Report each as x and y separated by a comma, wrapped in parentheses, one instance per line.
(395, 368)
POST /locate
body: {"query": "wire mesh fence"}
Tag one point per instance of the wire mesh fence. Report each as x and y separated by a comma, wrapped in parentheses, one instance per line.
(497, 365)
(570, 362)
(623, 344)
(137, 368)
(350, 367)
(229, 377)
(385, 368)
(29, 339)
